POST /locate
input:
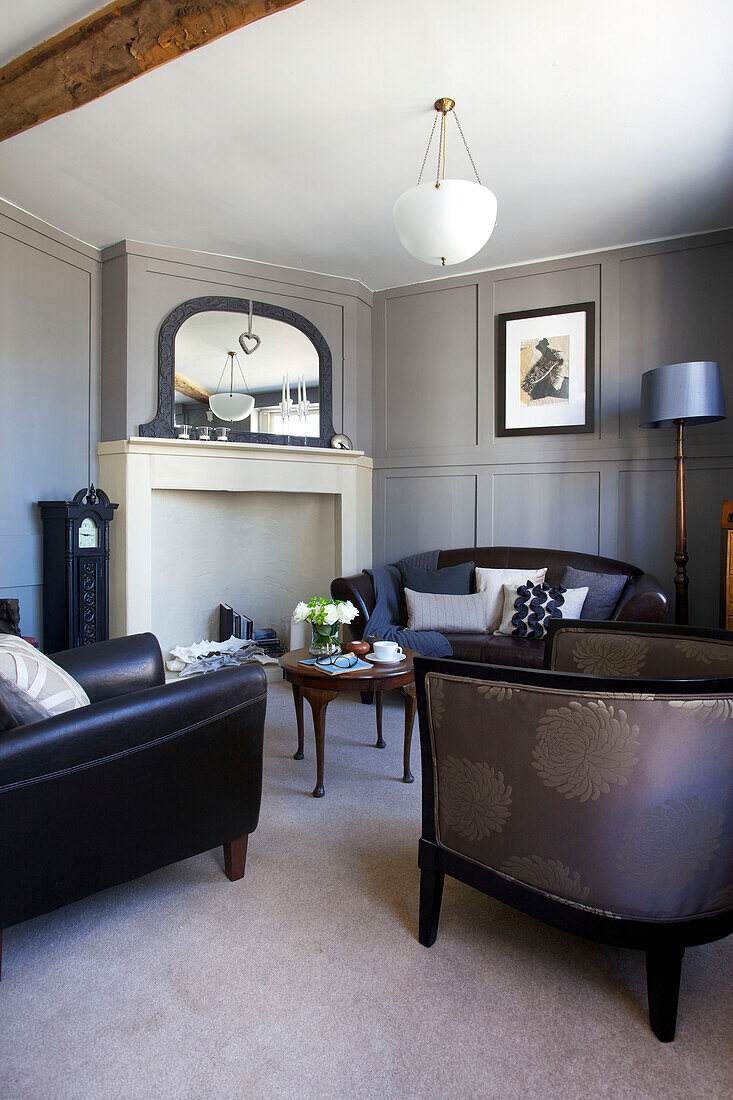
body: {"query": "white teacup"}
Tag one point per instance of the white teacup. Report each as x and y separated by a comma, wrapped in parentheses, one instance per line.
(387, 651)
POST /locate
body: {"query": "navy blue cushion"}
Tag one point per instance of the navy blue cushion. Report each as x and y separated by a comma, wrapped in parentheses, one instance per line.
(535, 604)
(454, 580)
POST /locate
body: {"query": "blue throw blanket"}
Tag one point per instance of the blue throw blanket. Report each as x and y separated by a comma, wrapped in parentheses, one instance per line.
(385, 618)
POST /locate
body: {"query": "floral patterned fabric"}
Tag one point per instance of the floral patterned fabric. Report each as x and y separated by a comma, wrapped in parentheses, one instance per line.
(619, 802)
(663, 655)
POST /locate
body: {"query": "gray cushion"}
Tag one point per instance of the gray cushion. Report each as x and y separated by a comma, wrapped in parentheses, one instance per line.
(604, 591)
(21, 706)
(443, 611)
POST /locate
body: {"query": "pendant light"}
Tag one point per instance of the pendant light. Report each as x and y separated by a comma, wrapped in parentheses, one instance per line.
(448, 221)
(227, 404)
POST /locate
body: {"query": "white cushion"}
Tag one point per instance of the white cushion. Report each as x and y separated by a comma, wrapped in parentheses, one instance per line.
(491, 581)
(572, 605)
(442, 611)
(40, 676)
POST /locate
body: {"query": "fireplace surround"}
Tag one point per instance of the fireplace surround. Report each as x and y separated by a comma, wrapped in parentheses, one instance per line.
(131, 471)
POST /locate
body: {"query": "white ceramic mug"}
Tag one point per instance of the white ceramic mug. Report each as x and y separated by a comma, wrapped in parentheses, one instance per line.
(387, 651)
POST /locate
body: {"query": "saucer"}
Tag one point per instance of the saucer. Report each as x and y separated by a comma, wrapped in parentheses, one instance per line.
(385, 661)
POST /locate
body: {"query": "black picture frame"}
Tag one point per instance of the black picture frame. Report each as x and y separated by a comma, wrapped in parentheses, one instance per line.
(162, 424)
(502, 370)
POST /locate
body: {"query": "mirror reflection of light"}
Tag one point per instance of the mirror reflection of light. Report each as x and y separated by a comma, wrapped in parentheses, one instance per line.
(278, 425)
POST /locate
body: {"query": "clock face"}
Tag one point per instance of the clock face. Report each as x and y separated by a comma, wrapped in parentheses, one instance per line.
(88, 534)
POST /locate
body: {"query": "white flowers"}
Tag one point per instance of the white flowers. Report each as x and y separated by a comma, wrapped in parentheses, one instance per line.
(324, 612)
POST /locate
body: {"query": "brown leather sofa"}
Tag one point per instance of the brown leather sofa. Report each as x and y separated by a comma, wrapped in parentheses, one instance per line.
(642, 600)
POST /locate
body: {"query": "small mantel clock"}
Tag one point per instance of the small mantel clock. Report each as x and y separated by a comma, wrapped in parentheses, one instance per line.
(76, 569)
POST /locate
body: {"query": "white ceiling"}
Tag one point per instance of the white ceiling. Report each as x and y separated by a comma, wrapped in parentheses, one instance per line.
(595, 123)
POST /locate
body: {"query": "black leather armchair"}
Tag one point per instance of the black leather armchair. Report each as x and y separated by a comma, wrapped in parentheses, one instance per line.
(147, 775)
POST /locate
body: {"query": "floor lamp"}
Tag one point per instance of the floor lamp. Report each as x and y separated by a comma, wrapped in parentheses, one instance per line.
(680, 394)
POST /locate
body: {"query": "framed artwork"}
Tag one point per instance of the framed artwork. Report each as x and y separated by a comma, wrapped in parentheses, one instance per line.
(545, 370)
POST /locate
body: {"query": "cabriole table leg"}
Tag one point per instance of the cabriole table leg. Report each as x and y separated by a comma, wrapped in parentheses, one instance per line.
(319, 700)
(379, 698)
(298, 700)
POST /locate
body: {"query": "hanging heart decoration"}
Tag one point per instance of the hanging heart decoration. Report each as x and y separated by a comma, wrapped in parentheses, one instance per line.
(243, 342)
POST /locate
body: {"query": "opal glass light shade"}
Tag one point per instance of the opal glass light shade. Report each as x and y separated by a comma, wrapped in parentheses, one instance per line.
(231, 406)
(446, 224)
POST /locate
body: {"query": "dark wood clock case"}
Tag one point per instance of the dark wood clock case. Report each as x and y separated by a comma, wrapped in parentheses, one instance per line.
(76, 570)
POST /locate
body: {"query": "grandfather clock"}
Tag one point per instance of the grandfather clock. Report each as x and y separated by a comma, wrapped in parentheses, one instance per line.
(76, 569)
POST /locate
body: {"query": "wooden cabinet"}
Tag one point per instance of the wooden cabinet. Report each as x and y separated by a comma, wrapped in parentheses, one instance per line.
(726, 567)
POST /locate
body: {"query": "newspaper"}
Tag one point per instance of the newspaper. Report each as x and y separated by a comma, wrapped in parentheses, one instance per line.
(204, 656)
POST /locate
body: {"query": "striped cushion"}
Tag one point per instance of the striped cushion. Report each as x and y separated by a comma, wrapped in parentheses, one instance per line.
(39, 676)
(441, 611)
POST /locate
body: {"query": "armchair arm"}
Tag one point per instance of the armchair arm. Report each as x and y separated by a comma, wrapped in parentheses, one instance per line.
(108, 730)
(643, 601)
(107, 670)
(360, 590)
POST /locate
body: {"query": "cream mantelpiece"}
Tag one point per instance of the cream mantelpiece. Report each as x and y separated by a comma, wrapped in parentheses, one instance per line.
(131, 470)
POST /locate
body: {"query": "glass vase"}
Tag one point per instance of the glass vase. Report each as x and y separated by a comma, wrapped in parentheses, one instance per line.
(325, 640)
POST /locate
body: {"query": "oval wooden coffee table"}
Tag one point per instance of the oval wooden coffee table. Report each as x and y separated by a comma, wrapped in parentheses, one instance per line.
(319, 689)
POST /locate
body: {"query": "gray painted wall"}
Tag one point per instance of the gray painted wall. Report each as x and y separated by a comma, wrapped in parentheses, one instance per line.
(444, 479)
(143, 283)
(49, 371)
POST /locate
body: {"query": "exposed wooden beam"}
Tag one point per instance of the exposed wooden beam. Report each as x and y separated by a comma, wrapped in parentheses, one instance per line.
(110, 48)
(192, 389)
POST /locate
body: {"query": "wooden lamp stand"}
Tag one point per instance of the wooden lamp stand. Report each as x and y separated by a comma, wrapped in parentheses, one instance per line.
(679, 394)
(681, 580)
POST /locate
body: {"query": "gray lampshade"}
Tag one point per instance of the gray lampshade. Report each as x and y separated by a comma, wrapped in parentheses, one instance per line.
(692, 392)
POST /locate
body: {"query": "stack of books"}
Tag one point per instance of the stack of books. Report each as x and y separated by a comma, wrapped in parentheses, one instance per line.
(233, 624)
(269, 642)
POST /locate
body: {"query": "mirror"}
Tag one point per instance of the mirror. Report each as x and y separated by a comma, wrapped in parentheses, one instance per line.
(271, 371)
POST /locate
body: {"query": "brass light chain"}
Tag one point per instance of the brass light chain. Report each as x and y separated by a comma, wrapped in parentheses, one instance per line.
(460, 131)
(441, 149)
(442, 108)
(425, 158)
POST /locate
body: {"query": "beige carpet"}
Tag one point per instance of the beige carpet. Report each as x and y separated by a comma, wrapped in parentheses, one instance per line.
(306, 979)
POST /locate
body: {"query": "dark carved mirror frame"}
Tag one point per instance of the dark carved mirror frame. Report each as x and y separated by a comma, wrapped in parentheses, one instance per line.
(162, 426)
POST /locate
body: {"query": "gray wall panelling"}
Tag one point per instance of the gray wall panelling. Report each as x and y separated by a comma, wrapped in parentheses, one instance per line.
(611, 492)
(49, 366)
(157, 279)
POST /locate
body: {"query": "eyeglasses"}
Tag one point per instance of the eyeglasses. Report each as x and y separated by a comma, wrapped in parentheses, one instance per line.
(339, 660)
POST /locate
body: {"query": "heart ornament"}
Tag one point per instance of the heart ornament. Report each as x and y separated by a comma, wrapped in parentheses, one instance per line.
(243, 342)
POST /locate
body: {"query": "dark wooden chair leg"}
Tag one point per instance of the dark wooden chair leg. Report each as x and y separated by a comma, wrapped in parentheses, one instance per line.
(367, 697)
(663, 972)
(381, 743)
(431, 895)
(410, 708)
(235, 857)
(298, 700)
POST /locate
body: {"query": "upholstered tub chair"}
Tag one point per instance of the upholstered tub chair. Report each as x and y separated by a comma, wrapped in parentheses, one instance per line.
(602, 806)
